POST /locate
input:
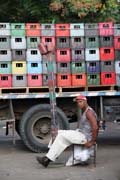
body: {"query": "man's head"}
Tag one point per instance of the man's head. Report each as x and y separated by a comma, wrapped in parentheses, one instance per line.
(81, 101)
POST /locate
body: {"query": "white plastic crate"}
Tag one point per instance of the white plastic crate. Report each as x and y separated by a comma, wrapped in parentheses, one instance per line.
(47, 30)
(77, 29)
(19, 80)
(33, 55)
(18, 43)
(4, 29)
(5, 55)
(92, 54)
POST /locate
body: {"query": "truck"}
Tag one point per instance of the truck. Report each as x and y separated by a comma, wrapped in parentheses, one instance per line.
(28, 107)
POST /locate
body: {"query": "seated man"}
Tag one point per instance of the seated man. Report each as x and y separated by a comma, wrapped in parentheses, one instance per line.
(85, 134)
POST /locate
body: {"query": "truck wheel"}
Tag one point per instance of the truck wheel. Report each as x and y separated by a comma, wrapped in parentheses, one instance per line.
(35, 127)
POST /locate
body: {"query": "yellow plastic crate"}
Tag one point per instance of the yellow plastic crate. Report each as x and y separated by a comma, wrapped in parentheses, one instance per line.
(19, 67)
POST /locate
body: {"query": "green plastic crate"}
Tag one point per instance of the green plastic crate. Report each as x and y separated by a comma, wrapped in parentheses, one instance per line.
(17, 29)
(92, 42)
(93, 79)
(78, 67)
(5, 67)
(32, 42)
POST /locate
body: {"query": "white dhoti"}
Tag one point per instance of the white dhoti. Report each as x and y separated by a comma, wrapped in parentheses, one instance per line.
(81, 154)
(64, 139)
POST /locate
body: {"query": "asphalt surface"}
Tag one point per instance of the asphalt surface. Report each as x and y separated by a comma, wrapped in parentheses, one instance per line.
(18, 163)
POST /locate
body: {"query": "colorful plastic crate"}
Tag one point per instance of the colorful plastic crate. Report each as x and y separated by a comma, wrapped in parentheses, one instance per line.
(78, 67)
(77, 29)
(5, 67)
(93, 79)
(19, 80)
(106, 28)
(63, 55)
(93, 67)
(78, 54)
(5, 80)
(107, 53)
(32, 42)
(117, 42)
(63, 80)
(34, 67)
(48, 40)
(17, 29)
(33, 29)
(34, 80)
(108, 78)
(19, 67)
(5, 29)
(79, 79)
(62, 29)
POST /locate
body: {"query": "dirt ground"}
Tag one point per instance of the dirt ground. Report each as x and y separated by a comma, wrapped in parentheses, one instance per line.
(18, 163)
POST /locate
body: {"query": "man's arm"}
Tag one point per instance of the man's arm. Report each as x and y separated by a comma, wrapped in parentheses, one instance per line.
(93, 122)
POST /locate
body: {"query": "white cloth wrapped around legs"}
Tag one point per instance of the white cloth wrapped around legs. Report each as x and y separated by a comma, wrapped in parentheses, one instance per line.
(81, 154)
(64, 139)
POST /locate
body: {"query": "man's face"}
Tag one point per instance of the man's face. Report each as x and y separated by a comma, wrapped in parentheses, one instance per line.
(81, 103)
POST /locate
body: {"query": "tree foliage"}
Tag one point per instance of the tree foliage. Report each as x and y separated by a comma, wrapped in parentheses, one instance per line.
(59, 11)
(88, 10)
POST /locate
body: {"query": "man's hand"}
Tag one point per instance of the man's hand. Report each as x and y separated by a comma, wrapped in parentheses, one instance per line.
(88, 144)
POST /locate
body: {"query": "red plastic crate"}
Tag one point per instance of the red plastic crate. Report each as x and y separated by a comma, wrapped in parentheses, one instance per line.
(48, 39)
(33, 29)
(5, 80)
(79, 79)
(63, 55)
(107, 53)
(34, 80)
(62, 29)
(108, 78)
(117, 42)
(105, 28)
(63, 80)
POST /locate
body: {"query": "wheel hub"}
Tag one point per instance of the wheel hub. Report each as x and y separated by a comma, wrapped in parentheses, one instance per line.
(44, 128)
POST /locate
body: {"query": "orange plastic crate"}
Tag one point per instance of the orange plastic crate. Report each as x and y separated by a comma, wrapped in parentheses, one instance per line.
(33, 29)
(108, 78)
(63, 80)
(62, 29)
(79, 79)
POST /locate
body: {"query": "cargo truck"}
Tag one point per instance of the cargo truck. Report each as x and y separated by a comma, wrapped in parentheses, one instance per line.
(91, 67)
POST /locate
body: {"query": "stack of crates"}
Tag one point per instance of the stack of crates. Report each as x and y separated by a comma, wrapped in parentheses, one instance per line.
(63, 54)
(5, 56)
(18, 51)
(48, 37)
(106, 33)
(77, 44)
(92, 57)
(85, 54)
(33, 56)
(117, 52)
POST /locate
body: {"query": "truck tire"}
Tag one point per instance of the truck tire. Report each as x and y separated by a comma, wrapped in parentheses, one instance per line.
(35, 126)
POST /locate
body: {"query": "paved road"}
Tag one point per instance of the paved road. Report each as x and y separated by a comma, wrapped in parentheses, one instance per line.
(17, 163)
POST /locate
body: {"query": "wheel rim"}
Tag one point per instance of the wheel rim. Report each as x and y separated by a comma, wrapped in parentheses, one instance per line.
(41, 129)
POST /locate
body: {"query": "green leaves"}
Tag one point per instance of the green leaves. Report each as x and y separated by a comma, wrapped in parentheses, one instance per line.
(44, 11)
